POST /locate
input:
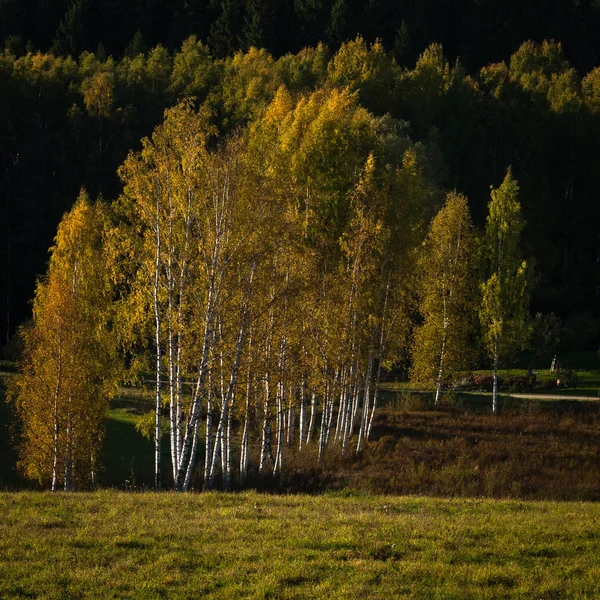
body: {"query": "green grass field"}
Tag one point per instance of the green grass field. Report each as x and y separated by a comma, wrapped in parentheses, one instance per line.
(585, 366)
(115, 545)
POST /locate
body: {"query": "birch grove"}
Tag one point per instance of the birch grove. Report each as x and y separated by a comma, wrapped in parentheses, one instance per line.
(271, 263)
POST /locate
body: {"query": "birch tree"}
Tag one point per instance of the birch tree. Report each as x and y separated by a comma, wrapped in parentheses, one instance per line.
(442, 343)
(505, 293)
(68, 369)
(198, 253)
(269, 268)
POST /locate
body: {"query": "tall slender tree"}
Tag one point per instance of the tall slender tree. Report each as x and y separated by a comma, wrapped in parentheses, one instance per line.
(68, 368)
(447, 287)
(505, 293)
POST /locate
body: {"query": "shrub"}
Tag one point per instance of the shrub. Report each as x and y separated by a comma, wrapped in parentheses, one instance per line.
(486, 382)
(412, 403)
(519, 383)
(569, 379)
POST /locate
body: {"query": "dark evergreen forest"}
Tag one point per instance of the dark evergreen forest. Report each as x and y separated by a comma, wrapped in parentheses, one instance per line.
(479, 32)
(481, 85)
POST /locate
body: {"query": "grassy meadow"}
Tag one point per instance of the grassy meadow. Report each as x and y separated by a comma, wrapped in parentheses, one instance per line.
(115, 545)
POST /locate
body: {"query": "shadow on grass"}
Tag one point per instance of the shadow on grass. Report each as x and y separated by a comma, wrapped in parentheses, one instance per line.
(8, 454)
(127, 459)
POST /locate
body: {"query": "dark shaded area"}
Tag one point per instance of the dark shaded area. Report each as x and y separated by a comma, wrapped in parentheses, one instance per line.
(127, 457)
(8, 455)
(478, 32)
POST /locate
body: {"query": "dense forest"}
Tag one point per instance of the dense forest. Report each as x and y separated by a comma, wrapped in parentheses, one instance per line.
(67, 122)
(479, 32)
(290, 200)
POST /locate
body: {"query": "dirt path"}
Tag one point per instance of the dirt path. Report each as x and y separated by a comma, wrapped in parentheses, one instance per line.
(531, 396)
(552, 397)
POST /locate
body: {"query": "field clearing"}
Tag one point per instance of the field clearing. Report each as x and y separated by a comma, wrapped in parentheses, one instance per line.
(110, 544)
(583, 382)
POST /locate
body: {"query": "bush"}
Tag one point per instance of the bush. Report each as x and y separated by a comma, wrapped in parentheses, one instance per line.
(568, 378)
(412, 403)
(547, 384)
(464, 383)
(486, 382)
(519, 383)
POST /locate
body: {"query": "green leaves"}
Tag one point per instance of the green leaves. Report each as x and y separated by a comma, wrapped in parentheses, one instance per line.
(504, 308)
(447, 295)
(69, 365)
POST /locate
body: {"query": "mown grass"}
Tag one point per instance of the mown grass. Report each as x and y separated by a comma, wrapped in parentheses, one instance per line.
(115, 545)
(584, 366)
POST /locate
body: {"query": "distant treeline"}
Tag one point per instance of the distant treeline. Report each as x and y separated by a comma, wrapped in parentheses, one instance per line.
(478, 32)
(67, 122)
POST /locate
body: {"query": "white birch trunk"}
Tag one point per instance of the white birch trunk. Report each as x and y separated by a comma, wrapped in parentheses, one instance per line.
(222, 439)
(366, 401)
(182, 290)
(244, 452)
(329, 416)
(375, 397)
(172, 395)
(322, 432)
(440, 377)
(381, 355)
(227, 473)
(55, 417)
(171, 347)
(347, 429)
(495, 388)
(291, 417)
(311, 422)
(265, 444)
(280, 409)
(244, 441)
(355, 401)
(187, 460)
(224, 448)
(68, 450)
(266, 434)
(157, 318)
(302, 417)
(209, 433)
(280, 420)
(341, 408)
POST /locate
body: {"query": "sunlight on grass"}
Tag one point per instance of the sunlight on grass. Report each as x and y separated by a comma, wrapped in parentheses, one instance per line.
(109, 544)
